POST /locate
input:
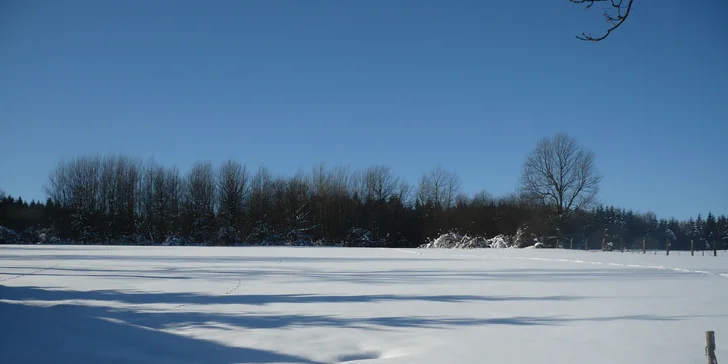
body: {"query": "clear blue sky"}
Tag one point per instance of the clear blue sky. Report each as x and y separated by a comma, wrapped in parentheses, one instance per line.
(470, 85)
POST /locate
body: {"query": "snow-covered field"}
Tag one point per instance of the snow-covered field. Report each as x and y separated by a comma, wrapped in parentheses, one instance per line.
(66, 304)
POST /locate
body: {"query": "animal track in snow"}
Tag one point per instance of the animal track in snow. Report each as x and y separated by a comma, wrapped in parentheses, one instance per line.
(240, 283)
(27, 274)
(229, 292)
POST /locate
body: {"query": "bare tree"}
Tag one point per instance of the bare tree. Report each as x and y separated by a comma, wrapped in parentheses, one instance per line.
(561, 175)
(118, 178)
(618, 14)
(146, 199)
(260, 199)
(295, 206)
(58, 186)
(77, 185)
(404, 193)
(439, 188)
(233, 187)
(482, 198)
(160, 199)
(173, 188)
(200, 199)
(379, 186)
(379, 183)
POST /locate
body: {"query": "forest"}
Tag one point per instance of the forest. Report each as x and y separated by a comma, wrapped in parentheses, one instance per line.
(117, 199)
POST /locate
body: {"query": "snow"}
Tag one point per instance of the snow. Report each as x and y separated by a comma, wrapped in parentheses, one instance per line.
(102, 304)
(453, 240)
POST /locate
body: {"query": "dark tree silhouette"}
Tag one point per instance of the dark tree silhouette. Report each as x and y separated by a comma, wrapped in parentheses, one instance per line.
(120, 200)
(615, 15)
(560, 175)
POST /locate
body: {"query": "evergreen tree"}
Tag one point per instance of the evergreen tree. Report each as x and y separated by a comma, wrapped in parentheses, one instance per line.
(723, 231)
(690, 229)
(711, 229)
(699, 229)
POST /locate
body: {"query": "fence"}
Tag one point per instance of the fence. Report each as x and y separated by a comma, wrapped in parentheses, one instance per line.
(710, 347)
(618, 244)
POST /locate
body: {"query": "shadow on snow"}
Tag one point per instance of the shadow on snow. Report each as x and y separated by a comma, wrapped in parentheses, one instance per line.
(135, 297)
(75, 333)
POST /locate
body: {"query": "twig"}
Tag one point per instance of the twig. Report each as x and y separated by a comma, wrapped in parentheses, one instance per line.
(616, 21)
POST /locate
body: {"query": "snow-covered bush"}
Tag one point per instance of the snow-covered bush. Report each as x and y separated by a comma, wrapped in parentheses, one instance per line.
(227, 235)
(176, 240)
(524, 238)
(453, 240)
(358, 237)
(45, 236)
(8, 236)
(501, 242)
(263, 235)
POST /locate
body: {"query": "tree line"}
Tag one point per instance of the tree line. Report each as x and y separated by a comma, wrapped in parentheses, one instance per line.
(120, 199)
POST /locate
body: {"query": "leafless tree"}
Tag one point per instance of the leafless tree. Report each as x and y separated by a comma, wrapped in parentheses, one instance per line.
(261, 197)
(439, 188)
(161, 191)
(482, 198)
(119, 180)
(57, 188)
(77, 185)
(560, 175)
(332, 192)
(147, 199)
(199, 198)
(404, 192)
(379, 186)
(174, 188)
(296, 205)
(615, 15)
(379, 183)
(289, 214)
(233, 187)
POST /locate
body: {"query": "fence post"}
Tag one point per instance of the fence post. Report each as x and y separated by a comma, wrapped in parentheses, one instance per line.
(692, 247)
(644, 246)
(586, 244)
(621, 245)
(667, 246)
(604, 247)
(572, 244)
(710, 347)
(715, 249)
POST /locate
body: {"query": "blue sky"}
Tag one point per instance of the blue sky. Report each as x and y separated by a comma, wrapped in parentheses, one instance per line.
(469, 85)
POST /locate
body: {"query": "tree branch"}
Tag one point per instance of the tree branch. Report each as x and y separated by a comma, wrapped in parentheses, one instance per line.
(616, 21)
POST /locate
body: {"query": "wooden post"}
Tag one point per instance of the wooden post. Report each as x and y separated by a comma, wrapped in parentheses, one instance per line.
(644, 246)
(692, 247)
(715, 249)
(667, 246)
(586, 244)
(572, 243)
(604, 247)
(621, 245)
(710, 347)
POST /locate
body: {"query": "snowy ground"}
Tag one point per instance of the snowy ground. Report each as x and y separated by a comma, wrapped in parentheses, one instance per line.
(65, 304)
